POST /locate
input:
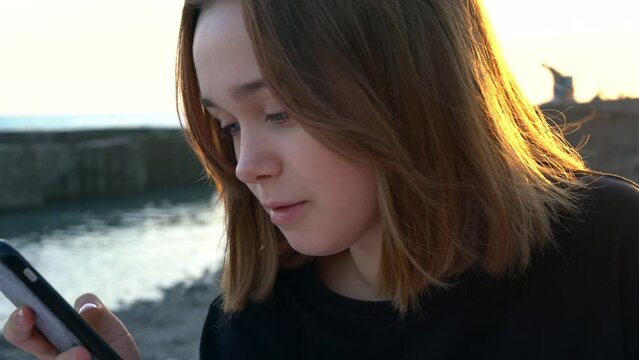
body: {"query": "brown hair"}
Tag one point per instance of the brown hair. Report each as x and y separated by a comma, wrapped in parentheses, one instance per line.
(468, 171)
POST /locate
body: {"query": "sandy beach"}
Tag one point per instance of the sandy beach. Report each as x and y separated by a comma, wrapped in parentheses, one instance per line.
(164, 330)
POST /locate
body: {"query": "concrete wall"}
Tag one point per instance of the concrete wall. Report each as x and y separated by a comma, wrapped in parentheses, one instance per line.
(41, 167)
(612, 133)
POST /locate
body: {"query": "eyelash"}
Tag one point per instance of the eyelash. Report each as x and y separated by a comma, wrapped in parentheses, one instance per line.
(233, 129)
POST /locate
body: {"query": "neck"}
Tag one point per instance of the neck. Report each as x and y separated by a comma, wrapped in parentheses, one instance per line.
(354, 273)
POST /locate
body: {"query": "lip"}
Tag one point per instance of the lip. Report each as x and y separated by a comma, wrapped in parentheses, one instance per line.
(284, 213)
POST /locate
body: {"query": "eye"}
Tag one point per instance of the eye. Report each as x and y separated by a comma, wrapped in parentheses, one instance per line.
(231, 129)
(277, 118)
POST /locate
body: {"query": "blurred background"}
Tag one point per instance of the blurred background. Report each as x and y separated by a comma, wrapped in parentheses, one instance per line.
(100, 192)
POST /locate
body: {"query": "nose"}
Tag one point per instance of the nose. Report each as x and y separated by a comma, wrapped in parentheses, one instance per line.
(257, 159)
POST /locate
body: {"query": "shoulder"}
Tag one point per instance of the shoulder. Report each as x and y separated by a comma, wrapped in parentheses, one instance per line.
(596, 249)
(599, 248)
(235, 336)
(254, 332)
(614, 218)
(614, 193)
(610, 209)
(611, 220)
(229, 336)
(208, 344)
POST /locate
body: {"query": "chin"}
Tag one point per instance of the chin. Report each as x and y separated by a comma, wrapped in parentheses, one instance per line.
(320, 247)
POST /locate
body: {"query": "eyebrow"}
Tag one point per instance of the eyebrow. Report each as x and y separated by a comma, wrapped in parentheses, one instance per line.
(239, 92)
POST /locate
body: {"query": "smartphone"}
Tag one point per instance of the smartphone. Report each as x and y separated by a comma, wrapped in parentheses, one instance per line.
(55, 318)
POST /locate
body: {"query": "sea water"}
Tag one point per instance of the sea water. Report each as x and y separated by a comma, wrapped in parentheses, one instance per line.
(86, 122)
(122, 250)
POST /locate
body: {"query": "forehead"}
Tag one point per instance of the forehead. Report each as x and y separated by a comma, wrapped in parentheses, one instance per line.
(222, 51)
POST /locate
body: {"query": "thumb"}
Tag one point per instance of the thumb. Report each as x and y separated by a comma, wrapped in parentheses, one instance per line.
(107, 325)
(103, 321)
(77, 353)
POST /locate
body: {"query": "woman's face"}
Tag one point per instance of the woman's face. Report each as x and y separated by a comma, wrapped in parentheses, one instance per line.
(320, 201)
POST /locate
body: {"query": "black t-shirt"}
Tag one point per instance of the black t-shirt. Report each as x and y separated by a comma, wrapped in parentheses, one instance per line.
(578, 301)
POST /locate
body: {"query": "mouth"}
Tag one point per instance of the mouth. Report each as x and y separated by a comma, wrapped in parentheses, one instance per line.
(284, 207)
(282, 214)
(279, 205)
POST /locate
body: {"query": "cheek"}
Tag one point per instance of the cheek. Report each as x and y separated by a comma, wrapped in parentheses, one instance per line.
(354, 204)
(349, 186)
(342, 185)
(346, 211)
(342, 195)
(336, 226)
(323, 169)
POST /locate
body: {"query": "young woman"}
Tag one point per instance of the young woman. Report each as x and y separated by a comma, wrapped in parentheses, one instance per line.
(390, 194)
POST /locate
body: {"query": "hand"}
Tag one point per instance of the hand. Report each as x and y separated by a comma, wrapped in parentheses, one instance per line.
(19, 330)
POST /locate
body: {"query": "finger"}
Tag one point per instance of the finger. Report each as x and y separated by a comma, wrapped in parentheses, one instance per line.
(99, 316)
(76, 353)
(20, 331)
(105, 323)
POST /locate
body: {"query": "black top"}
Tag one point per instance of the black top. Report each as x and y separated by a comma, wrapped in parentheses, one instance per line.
(580, 301)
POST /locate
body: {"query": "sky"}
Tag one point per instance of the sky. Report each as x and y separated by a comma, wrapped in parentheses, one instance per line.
(117, 56)
(596, 42)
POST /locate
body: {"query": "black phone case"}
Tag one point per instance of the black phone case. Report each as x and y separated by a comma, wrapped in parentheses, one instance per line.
(55, 318)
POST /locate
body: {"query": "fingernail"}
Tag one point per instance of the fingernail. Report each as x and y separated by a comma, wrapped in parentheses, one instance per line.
(81, 353)
(21, 317)
(86, 307)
